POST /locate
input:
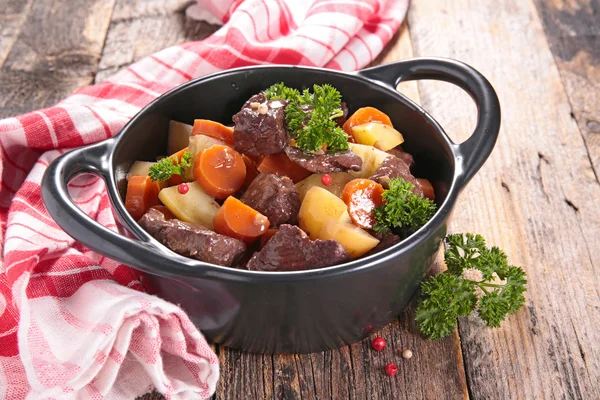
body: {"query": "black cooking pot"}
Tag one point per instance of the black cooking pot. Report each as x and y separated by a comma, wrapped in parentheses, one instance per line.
(283, 312)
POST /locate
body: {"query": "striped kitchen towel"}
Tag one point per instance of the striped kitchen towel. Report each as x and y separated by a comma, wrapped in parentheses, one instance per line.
(74, 324)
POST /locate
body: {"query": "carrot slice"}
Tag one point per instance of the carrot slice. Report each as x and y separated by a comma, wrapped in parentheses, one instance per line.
(166, 212)
(141, 194)
(240, 221)
(427, 188)
(213, 129)
(362, 196)
(365, 115)
(280, 164)
(251, 171)
(220, 171)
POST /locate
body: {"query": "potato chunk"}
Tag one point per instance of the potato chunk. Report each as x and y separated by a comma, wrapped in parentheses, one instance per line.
(372, 159)
(338, 181)
(354, 239)
(140, 168)
(320, 206)
(195, 206)
(378, 135)
(179, 136)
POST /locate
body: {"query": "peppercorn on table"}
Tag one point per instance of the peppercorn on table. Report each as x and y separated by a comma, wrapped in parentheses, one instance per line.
(536, 197)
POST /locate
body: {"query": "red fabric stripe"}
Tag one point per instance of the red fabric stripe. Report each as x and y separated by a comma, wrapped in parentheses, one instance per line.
(107, 131)
(172, 68)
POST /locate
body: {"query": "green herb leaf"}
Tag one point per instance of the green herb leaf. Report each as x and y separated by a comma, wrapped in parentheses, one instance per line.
(310, 116)
(449, 295)
(280, 91)
(167, 167)
(402, 209)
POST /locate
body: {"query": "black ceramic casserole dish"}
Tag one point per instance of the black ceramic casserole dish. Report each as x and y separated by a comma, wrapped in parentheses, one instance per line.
(289, 312)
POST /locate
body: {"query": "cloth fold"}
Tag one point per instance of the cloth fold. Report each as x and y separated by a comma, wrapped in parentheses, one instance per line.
(75, 324)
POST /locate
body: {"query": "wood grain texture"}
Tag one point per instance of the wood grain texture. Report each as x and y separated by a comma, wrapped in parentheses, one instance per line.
(355, 372)
(56, 51)
(536, 197)
(12, 16)
(140, 28)
(573, 32)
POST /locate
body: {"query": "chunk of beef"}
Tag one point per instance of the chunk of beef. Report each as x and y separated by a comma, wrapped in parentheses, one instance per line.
(323, 163)
(394, 167)
(257, 134)
(404, 156)
(385, 241)
(342, 120)
(192, 240)
(276, 197)
(290, 249)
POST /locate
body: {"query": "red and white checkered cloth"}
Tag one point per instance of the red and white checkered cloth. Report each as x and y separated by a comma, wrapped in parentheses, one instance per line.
(74, 324)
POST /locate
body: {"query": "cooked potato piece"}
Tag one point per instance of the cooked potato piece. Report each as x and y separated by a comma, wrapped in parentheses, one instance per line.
(195, 206)
(380, 136)
(179, 136)
(140, 168)
(372, 158)
(320, 206)
(338, 181)
(354, 239)
(197, 143)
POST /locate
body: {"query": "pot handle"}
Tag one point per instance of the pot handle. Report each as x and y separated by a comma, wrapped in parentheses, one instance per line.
(94, 159)
(476, 149)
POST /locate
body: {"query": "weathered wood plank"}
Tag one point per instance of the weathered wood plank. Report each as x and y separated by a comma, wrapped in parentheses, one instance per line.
(357, 371)
(12, 16)
(139, 29)
(55, 52)
(537, 197)
(573, 32)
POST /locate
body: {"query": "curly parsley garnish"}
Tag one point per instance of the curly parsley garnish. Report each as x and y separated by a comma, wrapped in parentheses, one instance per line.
(310, 116)
(402, 210)
(449, 294)
(166, 167)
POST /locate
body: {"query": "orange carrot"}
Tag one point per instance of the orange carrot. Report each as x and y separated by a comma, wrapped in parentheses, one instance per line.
(427, 188)
(240, 221)
(213, 129)
(220, 171)
(141, 194)
(365, 115)
(281, 165)
(362, 196)
(251, 171)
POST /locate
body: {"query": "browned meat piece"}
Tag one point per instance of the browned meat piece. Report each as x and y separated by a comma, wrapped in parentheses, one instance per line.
(290, 249)
(385, 241)
(276, 197)
(192, 240)
(342, 120)
(323, 163)
(394, 167)
(257, 134)
(404, 156)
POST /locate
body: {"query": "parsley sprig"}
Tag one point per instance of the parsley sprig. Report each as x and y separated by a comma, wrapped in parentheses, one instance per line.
(310, 116)
(166, 167)
(449, 294)
(403, 210)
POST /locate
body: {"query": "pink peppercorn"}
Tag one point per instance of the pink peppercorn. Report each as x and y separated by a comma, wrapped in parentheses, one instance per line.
(183, 188)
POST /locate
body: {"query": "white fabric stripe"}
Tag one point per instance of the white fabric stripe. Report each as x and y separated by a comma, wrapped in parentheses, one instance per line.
(69, 272)
(50, 127)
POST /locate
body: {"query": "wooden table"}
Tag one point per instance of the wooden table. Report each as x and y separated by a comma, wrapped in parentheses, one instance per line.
(537, 197)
